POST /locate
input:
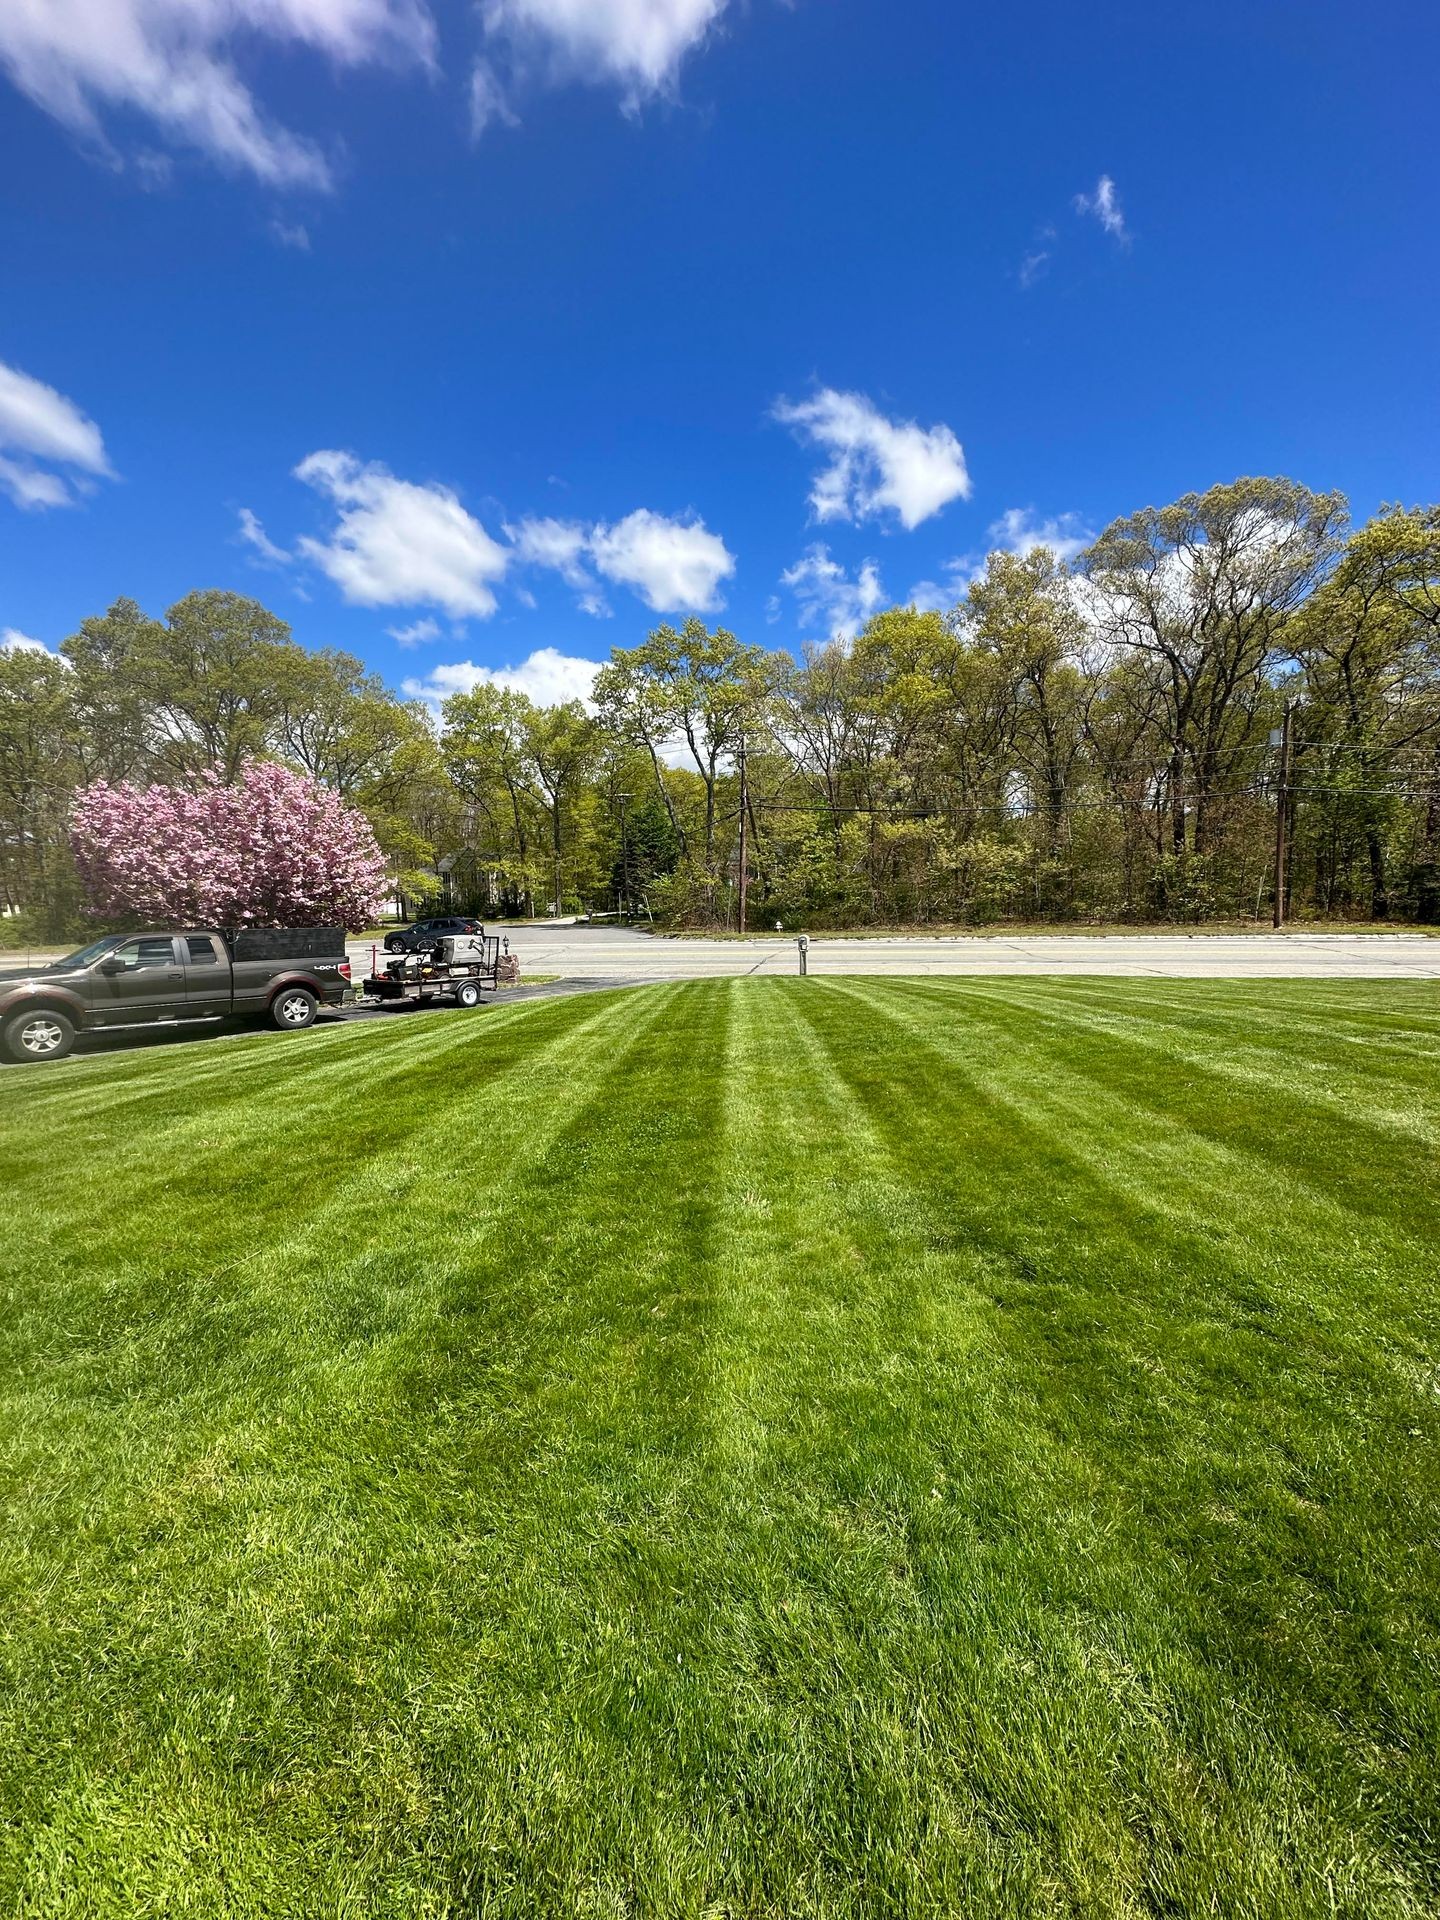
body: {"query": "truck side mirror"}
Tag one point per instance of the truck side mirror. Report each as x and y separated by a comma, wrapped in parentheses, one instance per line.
(112, 963)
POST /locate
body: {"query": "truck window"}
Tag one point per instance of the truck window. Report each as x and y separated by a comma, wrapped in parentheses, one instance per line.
(200, 951)
(153, 952)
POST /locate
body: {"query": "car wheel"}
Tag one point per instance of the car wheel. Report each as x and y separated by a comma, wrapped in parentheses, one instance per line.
(469, 994)
(293, 1008)
(39, 1035)
(393, 943)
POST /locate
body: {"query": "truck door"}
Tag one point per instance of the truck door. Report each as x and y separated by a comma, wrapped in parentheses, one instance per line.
(207, 977)
(141, 980)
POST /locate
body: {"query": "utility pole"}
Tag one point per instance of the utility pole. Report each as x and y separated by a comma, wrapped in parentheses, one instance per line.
(624, 800)
(744, 843)
(1282, 803)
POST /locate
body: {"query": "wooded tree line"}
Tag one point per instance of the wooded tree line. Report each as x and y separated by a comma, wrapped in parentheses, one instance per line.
(1083, 741)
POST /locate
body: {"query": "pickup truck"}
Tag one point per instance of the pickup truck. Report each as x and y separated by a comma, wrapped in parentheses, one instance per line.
(282, 974)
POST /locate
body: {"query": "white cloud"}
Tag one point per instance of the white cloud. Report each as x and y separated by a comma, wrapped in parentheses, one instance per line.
(548, 677)
(396, 543)
(674, 565)
(41, 430)
(877, 464)
(416, 634)
(13, 641)
(1033, 267)
(560, 545)
(292, 234)
(31, 486)
(253, 533)
(637, 45)
(168, 61)
(1104, 203)
(828, 597)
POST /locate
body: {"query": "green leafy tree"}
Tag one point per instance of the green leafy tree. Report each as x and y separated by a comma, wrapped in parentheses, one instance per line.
(694, 689)
(40, 765)
(1203, 591)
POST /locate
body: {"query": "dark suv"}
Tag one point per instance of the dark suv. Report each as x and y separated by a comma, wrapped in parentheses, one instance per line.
(425, 933)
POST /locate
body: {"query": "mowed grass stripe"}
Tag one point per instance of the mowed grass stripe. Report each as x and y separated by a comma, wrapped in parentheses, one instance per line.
(894, 1607)
(222, 1183)
(292, 1496)
(1345, 1069)
(1209, 1182)
(1242, 1455)
(1367, 1156)
(751, 1448)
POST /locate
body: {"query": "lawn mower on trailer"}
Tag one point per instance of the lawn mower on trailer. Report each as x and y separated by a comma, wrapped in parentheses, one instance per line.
(460, 967)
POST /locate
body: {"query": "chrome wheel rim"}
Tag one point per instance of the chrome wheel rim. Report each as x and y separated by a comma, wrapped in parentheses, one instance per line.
(41, 1036)
(295, 1010)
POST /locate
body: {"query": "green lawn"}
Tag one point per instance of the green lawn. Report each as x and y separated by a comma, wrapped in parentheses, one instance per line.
(762, 1447)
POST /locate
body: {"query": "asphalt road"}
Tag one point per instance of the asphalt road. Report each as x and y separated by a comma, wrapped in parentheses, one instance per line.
(590, 957)
(615, 955)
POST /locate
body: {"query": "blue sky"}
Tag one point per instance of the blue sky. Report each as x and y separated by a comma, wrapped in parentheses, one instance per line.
(515, 327)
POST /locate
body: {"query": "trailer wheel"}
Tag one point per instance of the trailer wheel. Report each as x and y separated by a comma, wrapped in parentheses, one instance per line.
(41, 1034)
(469, 994)
(293, 1008)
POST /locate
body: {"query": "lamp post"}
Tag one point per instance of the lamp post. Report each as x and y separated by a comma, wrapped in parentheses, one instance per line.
(624, 800)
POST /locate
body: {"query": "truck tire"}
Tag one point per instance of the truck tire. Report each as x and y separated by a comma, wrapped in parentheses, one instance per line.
(292, 1009)
(469, 994)
(40, 1034)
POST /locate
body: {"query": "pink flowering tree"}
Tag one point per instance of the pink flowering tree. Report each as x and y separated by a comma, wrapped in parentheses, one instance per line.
(275, 849)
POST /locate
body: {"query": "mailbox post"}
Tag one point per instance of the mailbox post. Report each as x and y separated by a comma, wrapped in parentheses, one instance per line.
(803, 945)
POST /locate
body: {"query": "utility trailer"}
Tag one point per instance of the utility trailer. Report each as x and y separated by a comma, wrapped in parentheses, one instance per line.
(459, 968)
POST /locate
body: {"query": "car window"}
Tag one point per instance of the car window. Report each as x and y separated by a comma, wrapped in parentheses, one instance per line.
(96, 950)
(152, 952)
(201, 951)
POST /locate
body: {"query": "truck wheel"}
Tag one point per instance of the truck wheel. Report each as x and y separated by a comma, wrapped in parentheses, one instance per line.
(39, 1035)
(292, 1009)
(469, 994)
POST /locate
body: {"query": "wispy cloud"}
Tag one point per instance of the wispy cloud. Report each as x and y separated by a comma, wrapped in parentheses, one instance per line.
(168, 61)
(489, 102)
(42, 431)
(1104, 205)
(254, 536)
(1019, 530)
(416, 634)
(636, 46)
(828, 597)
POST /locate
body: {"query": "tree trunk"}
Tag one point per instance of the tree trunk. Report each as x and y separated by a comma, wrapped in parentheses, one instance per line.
(1379, 894)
